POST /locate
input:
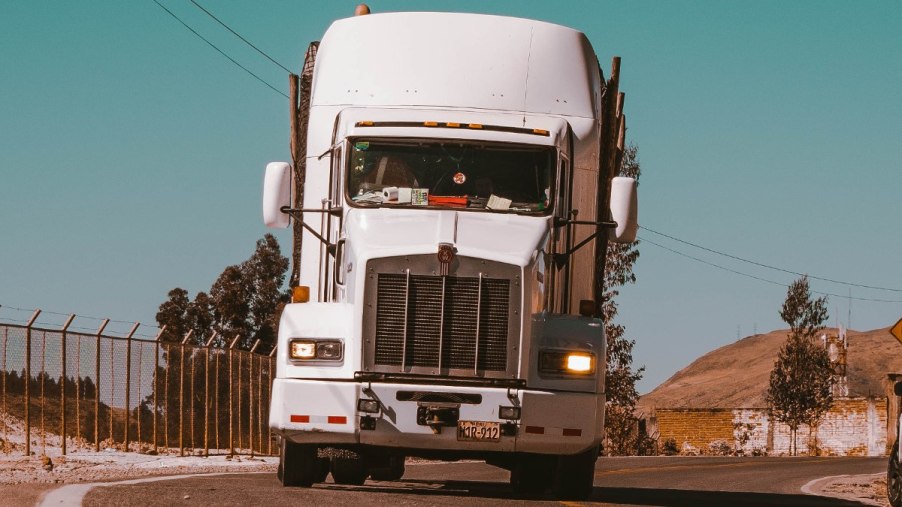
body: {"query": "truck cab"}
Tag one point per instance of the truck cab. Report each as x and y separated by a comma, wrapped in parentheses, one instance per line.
(450, 214)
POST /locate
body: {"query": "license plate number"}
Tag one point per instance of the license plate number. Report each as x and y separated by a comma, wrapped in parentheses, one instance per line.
(481, 431)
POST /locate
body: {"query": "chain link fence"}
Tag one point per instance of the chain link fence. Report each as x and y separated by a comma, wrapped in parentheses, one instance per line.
(94, 391)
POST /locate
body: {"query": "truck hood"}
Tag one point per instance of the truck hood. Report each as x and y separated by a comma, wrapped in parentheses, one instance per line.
(383, 232)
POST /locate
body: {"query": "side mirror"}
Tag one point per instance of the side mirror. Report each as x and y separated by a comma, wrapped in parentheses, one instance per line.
(898, 388)
(276, 194)
(624, 209)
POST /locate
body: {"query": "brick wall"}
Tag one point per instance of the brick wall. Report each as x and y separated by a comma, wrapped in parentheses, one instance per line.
(853, 427)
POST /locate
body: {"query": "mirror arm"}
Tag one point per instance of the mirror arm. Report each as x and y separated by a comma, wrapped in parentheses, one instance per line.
(296, 214)
(296, 211)
(562, 257)
(564, 221)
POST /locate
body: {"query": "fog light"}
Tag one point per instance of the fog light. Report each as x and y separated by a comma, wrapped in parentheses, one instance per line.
(557, 362)
(368, 406)
(512, 413)
(302, 349)
(328, 350)
(579, 363)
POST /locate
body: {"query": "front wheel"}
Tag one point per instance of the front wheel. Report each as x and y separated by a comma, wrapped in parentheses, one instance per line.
(349, 471)
(393, 470)
(574, 476)
(298, 465)
(530, 475)
(894, 478)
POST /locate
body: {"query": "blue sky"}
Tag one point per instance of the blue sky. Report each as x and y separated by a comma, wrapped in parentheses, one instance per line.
(132, 153)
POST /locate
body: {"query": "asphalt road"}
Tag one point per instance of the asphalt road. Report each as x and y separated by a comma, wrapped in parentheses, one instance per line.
(665, 481)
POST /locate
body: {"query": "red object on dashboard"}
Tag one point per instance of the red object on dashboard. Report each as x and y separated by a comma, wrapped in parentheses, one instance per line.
(447, 200)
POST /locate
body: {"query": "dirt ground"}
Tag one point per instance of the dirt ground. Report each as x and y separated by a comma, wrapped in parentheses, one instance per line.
(24, 480)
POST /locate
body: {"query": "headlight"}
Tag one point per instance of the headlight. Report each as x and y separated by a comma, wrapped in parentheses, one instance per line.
(562, 362)
(307, 349)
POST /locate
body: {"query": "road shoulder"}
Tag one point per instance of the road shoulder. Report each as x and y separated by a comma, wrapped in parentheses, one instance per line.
(866, 489)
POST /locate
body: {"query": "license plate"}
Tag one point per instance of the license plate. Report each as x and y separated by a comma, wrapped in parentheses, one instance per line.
(480, 431)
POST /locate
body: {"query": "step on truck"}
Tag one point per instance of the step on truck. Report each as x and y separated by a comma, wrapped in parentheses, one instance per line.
(450, 221)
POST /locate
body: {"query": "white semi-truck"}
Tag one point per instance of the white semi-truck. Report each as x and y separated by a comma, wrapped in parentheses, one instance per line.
(448, 261)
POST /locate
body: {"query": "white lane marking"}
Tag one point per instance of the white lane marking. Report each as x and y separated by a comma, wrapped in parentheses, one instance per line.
(73, 494)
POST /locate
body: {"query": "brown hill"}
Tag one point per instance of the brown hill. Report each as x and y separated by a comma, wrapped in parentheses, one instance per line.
(736, 375)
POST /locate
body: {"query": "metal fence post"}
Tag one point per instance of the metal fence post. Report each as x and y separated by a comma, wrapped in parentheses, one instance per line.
(97, 386)
(231, 411)
(128, 383)
(191, 399)
(240, 390)
(182, 393)
(140, 436)
(250, 396)
(78, 390)
(63, 385)
(33, 318)
(260, 403)
(156, 383)
(271, 364)
(216, 396)
(207, 395)
(5, 339)
(43, 398)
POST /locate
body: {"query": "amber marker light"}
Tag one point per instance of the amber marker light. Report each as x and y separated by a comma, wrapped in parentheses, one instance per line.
(300, 294)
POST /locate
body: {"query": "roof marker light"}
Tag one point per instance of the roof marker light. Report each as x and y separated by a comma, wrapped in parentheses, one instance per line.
(430, 124)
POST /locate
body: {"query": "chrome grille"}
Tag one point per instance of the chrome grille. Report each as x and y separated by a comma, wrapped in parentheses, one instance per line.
(442, 325)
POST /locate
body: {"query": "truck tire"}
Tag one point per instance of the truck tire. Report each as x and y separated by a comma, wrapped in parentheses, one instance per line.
(574, 475)
(894, 478)
(322, 469)
(531, 475)
(348, 471)
(392, 472)
(297, 465)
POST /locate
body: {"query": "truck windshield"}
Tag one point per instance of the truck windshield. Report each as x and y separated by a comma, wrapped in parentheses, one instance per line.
(443, 174)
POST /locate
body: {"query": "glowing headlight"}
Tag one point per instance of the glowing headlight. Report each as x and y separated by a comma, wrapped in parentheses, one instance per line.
(312, 349)
(302, 349)
(562, 362)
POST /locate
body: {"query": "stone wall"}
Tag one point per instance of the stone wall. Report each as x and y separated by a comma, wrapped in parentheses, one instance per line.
(852, 427)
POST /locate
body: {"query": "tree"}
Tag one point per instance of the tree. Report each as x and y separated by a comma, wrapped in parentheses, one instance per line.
(620, 377)
(172, 314)
(265, 274)
(800, 388)
(244, 301)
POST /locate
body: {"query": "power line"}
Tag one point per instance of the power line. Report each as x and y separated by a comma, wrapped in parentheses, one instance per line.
(718, 266)
(768, 266)
(236, 34)
(258, 78)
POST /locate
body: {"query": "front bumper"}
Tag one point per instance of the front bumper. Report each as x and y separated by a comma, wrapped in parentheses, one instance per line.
(325, 413)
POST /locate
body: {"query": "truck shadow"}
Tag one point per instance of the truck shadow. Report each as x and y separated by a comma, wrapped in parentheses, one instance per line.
(607, 495)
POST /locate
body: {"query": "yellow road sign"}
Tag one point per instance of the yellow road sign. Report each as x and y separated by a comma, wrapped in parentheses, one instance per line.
(897, 330)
